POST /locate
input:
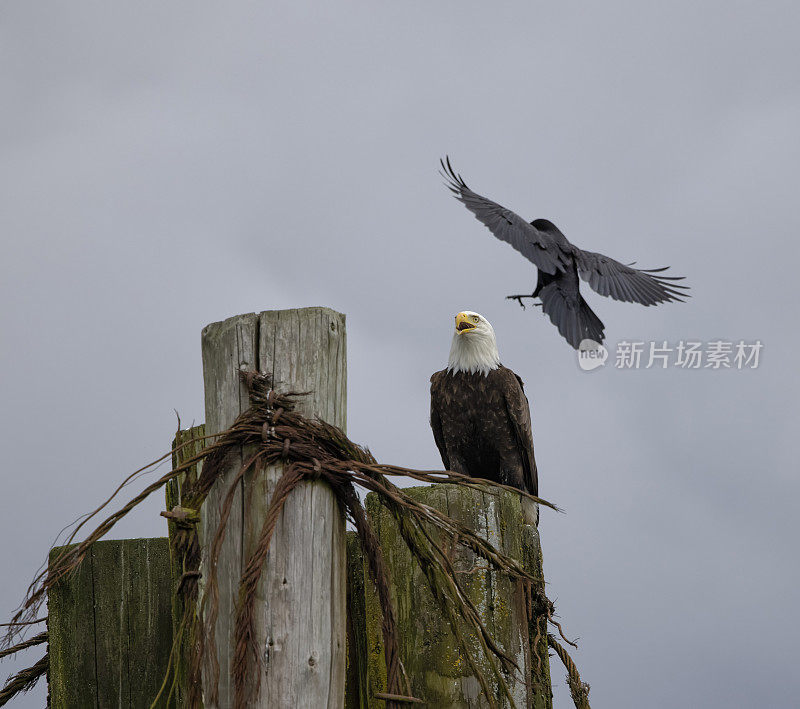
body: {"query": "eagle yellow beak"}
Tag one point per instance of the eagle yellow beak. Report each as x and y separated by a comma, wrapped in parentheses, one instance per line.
(464, 323)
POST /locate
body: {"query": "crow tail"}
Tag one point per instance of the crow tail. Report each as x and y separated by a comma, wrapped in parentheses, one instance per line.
(566, 308)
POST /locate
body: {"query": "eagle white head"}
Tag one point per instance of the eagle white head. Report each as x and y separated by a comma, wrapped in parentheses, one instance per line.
(474, 348)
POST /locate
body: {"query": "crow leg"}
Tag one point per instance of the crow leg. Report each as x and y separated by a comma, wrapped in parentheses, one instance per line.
(519, 299)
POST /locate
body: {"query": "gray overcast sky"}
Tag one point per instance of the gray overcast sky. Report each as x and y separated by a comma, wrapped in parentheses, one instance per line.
(166, 166)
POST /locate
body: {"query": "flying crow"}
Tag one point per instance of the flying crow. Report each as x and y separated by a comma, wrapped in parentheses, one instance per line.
(559, 264)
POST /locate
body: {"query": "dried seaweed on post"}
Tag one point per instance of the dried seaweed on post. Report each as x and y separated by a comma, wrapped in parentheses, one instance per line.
(578, 689)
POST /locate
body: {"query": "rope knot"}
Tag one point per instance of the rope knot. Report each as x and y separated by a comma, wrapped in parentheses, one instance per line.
(276, 416)
(286, 444)
(317, 474)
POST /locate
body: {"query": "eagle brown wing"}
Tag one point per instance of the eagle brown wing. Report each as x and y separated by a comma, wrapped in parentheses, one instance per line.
(519, 414)
(436, 419)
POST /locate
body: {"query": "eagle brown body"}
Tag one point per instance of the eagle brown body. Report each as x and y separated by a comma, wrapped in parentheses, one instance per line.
(482, 426)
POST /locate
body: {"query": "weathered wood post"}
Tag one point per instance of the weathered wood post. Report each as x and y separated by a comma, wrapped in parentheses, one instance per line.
(301, 602)
(440, 675)
(110, 629)
(186, 444)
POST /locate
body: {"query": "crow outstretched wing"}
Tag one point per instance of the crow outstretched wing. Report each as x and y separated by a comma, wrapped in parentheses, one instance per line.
(550, 252)
(631, 285)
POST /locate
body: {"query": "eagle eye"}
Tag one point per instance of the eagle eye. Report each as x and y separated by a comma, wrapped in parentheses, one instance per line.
(474, 318)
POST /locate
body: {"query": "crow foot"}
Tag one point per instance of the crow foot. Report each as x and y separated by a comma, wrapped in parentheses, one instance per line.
(519, 298)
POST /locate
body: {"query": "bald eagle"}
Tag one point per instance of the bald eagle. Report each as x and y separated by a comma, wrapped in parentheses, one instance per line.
(479, 413)
(559, 263)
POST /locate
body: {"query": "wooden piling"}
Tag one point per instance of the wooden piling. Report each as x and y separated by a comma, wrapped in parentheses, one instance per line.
(110, 628)
(186, 444)
(438, 672)
(356, 694)
(301, 598)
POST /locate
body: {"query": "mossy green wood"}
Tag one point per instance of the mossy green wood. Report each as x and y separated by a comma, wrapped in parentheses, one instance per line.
(355, 694)
(542, 691)
(110, 626)
(70, 623)
(440, 675)
(187, 443)
(111, 638)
